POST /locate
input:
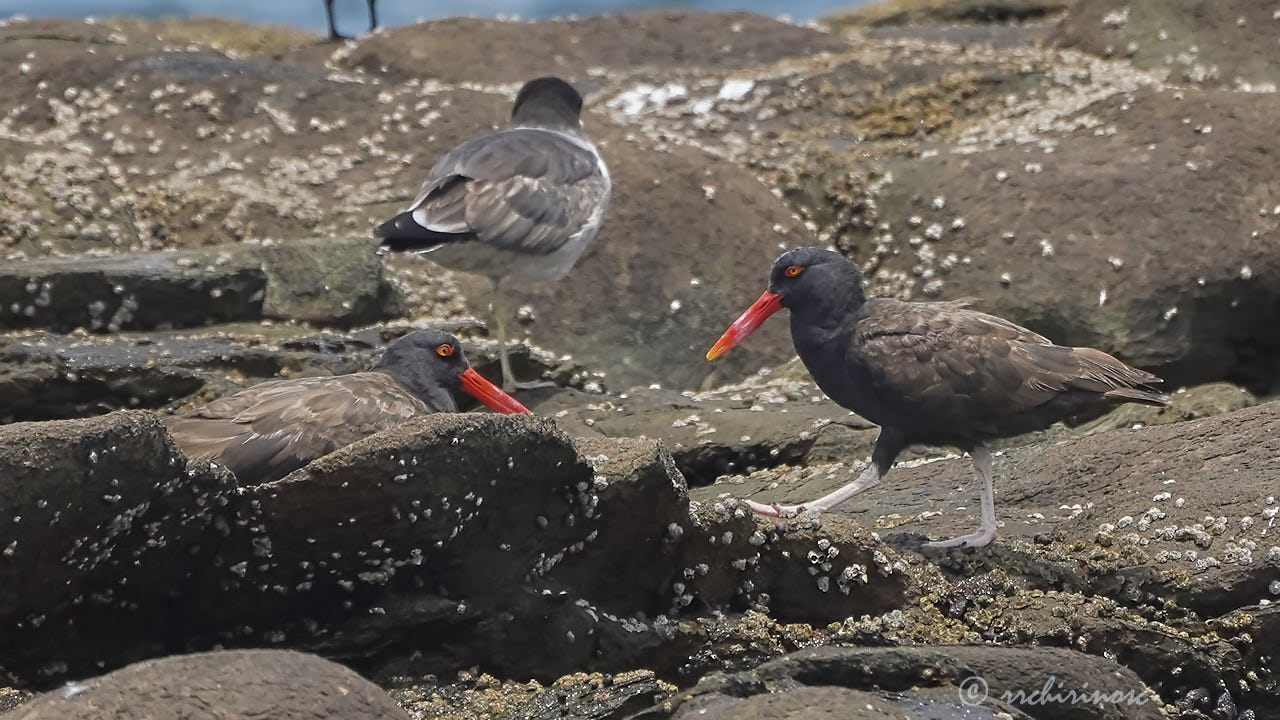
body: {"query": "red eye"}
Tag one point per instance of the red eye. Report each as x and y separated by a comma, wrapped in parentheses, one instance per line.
(793, 270)
(444, 350)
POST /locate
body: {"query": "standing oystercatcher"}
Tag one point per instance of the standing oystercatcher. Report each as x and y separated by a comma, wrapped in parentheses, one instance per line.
(519, 204)
(267, 431)
(929, 373)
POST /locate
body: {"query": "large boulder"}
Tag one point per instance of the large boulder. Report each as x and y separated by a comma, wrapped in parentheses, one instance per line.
(214, 685)
(105, 526)
(454, 539)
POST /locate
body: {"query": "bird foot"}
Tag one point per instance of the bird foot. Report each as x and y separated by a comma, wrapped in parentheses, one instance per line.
(776, 510)
(982, 538)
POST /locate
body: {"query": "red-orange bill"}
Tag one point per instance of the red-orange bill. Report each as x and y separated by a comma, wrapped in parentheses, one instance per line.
(489, 394)
(768, 304)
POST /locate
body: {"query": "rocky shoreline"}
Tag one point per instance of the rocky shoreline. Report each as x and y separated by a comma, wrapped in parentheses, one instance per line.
(185, 209)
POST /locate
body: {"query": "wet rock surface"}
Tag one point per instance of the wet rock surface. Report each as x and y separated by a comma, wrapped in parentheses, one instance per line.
(183, 212)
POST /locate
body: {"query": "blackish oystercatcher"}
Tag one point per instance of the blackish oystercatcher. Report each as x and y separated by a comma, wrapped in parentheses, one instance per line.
(333, 28)
(519, 204)
(267, 431)
(929, 373)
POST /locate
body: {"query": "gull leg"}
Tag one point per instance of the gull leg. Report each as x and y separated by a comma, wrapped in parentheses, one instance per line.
(982, 538)
(333, 28)
(497, 309)
(373, 16)
(888, 445)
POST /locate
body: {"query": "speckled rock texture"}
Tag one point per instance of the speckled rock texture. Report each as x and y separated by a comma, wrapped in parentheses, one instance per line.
(331, 282)
(104, 522)
(1101, 171)
(277, 684)
(1204, 42)
(953, 681)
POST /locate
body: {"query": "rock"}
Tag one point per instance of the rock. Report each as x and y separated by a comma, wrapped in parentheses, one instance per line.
(591, 696)
(48, 376)
(137, 292)
(976, 681)
(1091, 265)
(728, 430)
(804, 572)
(233, 683)
(1150, 643)
(1261, 622)
(328, 282)
(486, 534)
(1217, 43)
(11, 698)
(844, 703)
(495, 51)
(1039, 487)
(1191, 403)
(946, 12)
(336, 283)
(104, 526)
(1103, 516)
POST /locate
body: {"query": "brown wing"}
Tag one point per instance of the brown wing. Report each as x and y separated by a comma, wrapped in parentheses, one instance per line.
(271, 429)
(952, 360)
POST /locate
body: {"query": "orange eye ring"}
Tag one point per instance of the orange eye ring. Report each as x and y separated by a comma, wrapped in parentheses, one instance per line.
(444, 350)
(793, 270)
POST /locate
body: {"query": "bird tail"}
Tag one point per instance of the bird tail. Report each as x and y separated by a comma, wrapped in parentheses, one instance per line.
(402, 233)
(1127, 384)
(1138, 395)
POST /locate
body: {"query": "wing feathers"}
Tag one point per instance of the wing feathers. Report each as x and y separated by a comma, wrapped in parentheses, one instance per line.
(269, 430)
(933, 352)
(526, 189)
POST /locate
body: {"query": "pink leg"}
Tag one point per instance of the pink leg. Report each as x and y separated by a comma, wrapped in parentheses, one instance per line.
(983, 537)
(888, 445)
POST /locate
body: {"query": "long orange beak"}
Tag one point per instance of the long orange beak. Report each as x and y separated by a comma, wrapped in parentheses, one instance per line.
(768, 304)
(489, 394)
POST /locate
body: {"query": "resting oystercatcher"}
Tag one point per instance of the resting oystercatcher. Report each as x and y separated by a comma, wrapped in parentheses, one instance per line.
(929, 373)
(267, 431)
(519, 204)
